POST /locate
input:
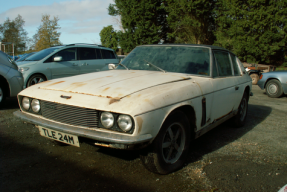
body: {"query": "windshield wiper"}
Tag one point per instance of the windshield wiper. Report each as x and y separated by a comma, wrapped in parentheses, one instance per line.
(123, 66)
(155, 66)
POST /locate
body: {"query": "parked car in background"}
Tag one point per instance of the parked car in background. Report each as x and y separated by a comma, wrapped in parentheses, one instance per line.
(274, 82)
(25, 57)
(159, 98)
(63, 61)
(121, 57)
(11, 80)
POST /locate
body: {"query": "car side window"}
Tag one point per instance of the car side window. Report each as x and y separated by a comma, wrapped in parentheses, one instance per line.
(66, 54)
(89, 54)
(107, 54)
(223, 63)
(235, 65)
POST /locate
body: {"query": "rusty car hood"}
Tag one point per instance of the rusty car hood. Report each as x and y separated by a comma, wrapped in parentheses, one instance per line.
(112, 84)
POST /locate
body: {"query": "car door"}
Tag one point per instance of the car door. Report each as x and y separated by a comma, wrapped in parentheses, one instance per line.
(68, 66)
(90, 60)
(224, 85)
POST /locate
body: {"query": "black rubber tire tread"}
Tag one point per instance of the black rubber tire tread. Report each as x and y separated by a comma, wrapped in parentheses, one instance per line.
(4, 95)
(255, 78)
(280, 90)
(150, 156)
(33, 76)
(236, 119)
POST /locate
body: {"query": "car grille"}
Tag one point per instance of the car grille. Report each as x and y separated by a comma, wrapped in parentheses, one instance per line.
(68, 114)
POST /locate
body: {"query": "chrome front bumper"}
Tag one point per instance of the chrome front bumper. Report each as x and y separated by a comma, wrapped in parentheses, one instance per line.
(91, 134)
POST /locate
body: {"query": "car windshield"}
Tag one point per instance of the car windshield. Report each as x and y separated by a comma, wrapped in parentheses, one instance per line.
(24, 57)
(42, 54)
(180, 59)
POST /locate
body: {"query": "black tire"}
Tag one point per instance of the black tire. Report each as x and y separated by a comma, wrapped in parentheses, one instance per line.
(255, 78)
(3, 95)
(240, 118)
(274, 88)
(162, 157)
(34, 79)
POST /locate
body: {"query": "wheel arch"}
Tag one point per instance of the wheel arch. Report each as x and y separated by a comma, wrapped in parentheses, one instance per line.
(4, 81)
(35, 74)
(189, 111)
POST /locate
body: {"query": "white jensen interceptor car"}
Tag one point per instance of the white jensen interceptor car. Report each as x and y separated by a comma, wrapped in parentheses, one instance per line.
(159, 98)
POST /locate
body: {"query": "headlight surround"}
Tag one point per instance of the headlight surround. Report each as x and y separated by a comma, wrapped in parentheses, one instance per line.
(22, 69)
(26, 103)
(125, 123)
(35, 105)
(107, 119)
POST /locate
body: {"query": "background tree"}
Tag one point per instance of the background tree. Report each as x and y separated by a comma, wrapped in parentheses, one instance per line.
(143, 22)
(109, 37)
(47, 34)
(191, 21)
(253, 29)
(13, 31)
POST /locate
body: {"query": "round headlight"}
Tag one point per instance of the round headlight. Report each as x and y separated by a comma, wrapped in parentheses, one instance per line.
(35, 105)
(26, 103)
(107, 119)
(125, 123)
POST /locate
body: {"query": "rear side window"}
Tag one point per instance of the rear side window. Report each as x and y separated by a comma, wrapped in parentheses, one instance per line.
(235, 65)
(107, 54)
(89, 54)
(223, 63)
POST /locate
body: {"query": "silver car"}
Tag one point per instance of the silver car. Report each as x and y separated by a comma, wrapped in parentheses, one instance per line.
(274, 82)
(11, 80)
(64, 61)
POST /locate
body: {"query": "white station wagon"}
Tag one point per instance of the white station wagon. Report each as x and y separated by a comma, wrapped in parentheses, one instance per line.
(159, 98)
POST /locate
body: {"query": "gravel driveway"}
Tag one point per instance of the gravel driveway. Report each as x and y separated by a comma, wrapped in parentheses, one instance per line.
(252, 158)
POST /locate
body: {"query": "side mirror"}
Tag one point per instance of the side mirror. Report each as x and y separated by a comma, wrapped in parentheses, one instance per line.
(58, 58)
(112, 66)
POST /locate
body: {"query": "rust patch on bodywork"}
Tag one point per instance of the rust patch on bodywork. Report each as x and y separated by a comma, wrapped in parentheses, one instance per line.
(56, 83)
(106, 89)
(140, 122)
(148, 101)
(113, 100)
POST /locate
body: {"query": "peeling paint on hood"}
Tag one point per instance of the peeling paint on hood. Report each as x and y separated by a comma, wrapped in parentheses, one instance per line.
(112, 84)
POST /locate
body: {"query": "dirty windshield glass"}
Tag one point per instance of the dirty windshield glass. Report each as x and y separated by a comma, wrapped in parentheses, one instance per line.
(42, 54)
(180, 59)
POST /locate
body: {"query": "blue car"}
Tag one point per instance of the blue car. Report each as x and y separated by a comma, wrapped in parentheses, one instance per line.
(274, 82)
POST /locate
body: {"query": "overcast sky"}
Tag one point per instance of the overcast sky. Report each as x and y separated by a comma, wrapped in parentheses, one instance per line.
(80, 20)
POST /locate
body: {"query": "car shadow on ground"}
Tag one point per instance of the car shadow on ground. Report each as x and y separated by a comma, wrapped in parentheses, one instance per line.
(24, 168)
(226, 133)
(10, 103)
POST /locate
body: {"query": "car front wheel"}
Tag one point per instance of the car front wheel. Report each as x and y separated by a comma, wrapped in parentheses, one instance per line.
(274, 88)
(169, 149)
(34, 79)
(2, 95)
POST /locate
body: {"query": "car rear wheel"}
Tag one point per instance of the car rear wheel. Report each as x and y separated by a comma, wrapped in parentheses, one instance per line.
(255, 78)
(274, 88)
(240, 118)
(168, 151)
(34, 79)
(2, 95)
